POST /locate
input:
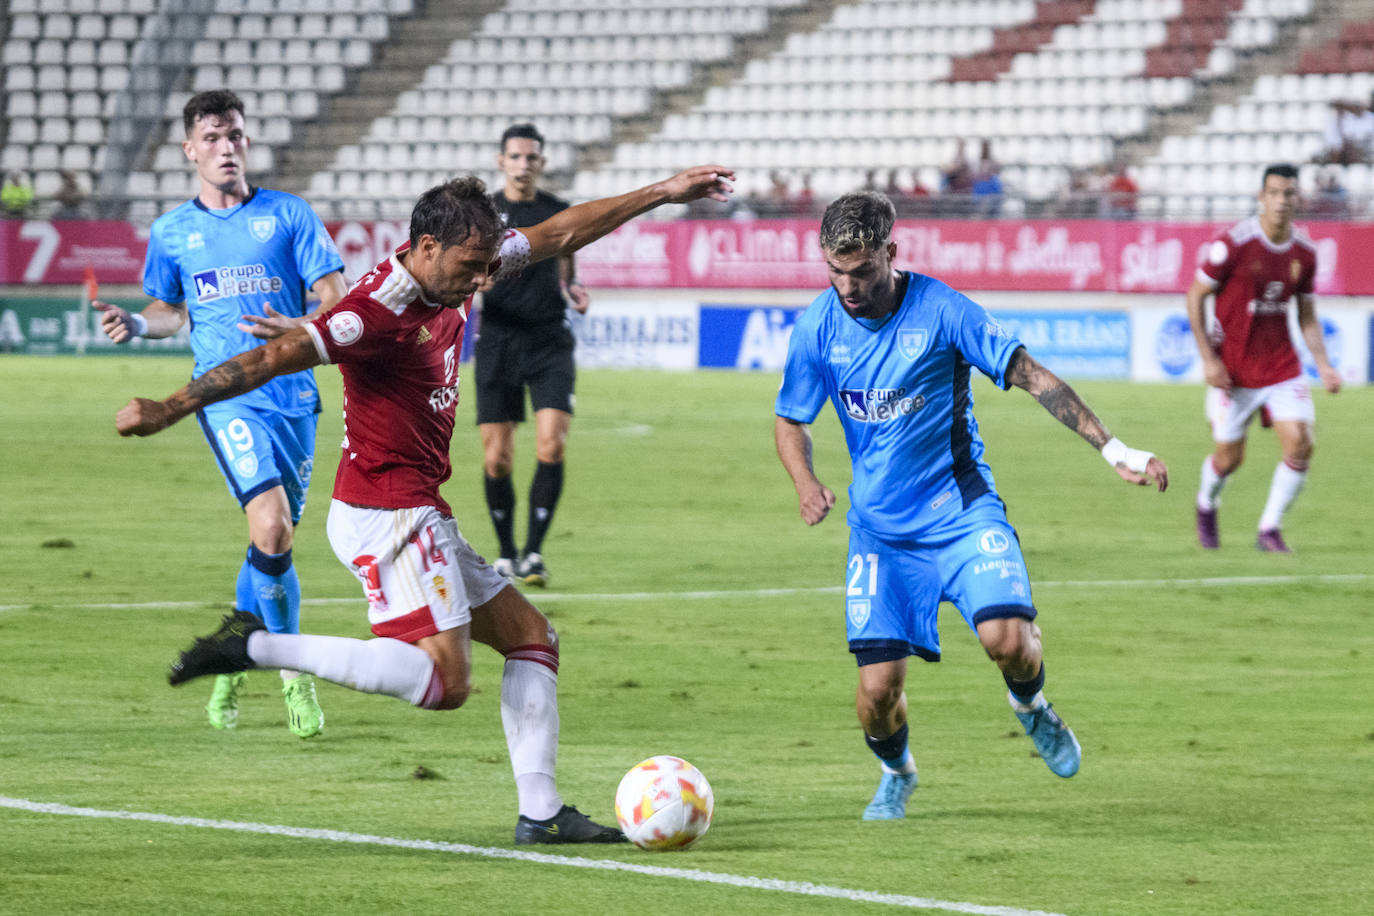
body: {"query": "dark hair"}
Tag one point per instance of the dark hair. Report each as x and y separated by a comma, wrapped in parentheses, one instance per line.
(862, 219)
(1281, 169)
(215, 102)
(454, 211)
(524, 132)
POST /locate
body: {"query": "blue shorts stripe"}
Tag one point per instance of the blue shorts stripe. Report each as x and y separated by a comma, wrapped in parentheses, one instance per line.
(220, 458)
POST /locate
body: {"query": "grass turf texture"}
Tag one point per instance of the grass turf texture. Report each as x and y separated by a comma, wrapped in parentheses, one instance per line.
(1226, 728)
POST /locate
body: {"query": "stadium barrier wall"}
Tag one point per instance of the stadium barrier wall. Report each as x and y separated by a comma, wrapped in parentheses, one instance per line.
(1064, 255)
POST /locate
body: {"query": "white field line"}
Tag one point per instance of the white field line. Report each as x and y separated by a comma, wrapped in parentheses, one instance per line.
(541, 597)
(803, 888)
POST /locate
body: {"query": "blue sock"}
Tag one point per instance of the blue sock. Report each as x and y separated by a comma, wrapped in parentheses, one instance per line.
(892, 750)
(276, 590)
(243, 589)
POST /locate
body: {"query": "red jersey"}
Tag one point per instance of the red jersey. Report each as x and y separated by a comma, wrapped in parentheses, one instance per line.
(1255, 281)
(398, 356)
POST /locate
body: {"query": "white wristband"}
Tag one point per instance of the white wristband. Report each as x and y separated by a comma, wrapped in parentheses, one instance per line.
(138, 325)
(1116, 453)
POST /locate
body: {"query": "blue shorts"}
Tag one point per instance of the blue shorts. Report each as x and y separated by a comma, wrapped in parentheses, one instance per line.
(257, 451)
(893, 589)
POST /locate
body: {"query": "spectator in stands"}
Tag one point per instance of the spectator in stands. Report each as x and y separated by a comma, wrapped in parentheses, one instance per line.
(71, 200)
(804, 201)
(1330, 201)
(956, 183)
(1349, 134)
(1120, 195)
(987, 183)
(526, 341)
(235, 264)
(16, 196)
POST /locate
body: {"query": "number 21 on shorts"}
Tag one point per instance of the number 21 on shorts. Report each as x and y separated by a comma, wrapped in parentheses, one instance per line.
(863, 575)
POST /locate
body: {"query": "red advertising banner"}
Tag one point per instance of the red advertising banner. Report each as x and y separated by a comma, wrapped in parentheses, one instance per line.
(1068, 255)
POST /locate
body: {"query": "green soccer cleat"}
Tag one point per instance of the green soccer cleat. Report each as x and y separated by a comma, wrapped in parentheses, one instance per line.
(303, 714)
(223, 708)
(889, 802)
(532, 571)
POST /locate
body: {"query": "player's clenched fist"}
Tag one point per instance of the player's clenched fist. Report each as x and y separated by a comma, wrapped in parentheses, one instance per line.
(142, 417)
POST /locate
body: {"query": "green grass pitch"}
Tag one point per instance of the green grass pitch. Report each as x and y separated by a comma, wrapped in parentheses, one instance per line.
(1227, 725)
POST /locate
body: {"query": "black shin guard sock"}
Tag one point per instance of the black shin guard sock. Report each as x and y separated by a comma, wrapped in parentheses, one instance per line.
(501, 508)
(1025, 691)
(889, 750)
(545, 489)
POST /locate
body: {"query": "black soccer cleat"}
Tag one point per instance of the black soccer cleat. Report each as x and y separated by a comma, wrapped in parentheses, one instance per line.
(224, 651)
(567, 826)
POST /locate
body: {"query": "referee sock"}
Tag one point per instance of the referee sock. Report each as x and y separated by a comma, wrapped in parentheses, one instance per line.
(501, 507)
(545, 489)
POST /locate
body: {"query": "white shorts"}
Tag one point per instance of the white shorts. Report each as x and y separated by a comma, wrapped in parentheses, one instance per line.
(421, 577)
(1230, 413)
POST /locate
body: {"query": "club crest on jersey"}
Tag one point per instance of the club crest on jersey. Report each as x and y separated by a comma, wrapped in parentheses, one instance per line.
(859, 612)
(911, 342)
(262, 228)
(994, 541)
(878, 405)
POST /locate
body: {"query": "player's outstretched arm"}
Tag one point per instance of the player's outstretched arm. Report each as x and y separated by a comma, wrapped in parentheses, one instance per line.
(292, 352)
(584, 223)
(330, 289)
(1064, 404)
(793, 440)
(158, 319)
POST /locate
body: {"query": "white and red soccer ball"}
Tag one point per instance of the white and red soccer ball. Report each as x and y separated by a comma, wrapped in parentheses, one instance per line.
(663, 803)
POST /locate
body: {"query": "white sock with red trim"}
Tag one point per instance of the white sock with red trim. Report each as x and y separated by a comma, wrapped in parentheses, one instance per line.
(1209, 493)
(386, 666)
(1283, 489)
(529, 714)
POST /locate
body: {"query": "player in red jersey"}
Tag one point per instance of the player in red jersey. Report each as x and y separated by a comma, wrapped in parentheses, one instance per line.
(396, 337)
(1255, 269)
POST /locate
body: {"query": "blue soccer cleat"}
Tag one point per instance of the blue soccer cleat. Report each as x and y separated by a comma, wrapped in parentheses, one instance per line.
(889, 802)
(1053, 739)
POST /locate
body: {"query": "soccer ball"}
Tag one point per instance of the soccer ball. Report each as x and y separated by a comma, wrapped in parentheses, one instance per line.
(663, 803)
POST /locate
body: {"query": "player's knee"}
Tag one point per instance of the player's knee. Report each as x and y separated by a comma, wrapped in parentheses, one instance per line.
(500, 466)
(1012, 644)
(550, 452)
(456, 691)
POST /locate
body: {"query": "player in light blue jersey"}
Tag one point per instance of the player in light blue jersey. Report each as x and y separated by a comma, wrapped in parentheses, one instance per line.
(893, 351)
(236, 262)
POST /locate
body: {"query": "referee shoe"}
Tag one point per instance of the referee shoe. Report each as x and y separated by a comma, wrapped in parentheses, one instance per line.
(532, 570)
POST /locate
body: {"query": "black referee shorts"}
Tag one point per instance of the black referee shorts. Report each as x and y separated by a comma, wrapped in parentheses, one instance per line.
(509, 360)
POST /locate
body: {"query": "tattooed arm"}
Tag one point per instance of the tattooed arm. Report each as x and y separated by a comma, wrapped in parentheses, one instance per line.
(1064, 404)
(292, 352)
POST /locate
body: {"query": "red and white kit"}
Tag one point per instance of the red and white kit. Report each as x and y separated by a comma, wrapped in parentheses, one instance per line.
(1255, 281)
(398, 356)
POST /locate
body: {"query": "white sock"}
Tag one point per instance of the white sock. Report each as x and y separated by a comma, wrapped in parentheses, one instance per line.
(386, 666)
(529, 714)
(1036, 702)
(1283, 489)
(1208, 494)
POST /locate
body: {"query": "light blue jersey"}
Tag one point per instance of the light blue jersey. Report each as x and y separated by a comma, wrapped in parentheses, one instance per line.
(224, 264)
(903, 396)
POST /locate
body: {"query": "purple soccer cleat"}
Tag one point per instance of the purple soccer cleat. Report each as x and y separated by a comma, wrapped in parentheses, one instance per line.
(1271, 541)
(1207, 529)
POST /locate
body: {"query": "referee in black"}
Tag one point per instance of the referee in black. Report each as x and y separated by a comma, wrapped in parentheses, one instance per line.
(525, 340)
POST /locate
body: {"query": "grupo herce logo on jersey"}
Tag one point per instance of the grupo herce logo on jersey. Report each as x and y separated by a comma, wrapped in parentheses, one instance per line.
(245, 280)
(878, 405)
